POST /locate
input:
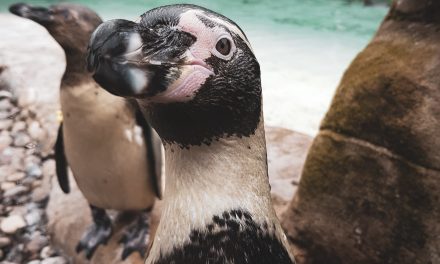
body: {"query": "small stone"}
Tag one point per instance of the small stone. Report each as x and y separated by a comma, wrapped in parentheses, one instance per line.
(18, 176)
(4, 242)
(18, 126)
(12, 223)
(35, 131)
(34, 171)
(5, 124)
(5, 140)
(34, 262)
(54, 260)
(16, 191)
(358, 231)
(33, 217)
(5, 186)
(49, 168)
(5, 94)
(21, 139)
(40, 194)
(47, 252)
(5, 104)
(37, 242)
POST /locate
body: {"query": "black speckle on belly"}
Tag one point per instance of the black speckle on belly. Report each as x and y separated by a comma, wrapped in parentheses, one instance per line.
(232, 237)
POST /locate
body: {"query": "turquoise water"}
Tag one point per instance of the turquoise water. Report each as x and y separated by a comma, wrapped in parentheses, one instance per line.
(303, 46)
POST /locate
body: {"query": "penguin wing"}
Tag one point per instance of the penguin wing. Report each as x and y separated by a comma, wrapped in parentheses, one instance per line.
(154, 151)
(61, 162)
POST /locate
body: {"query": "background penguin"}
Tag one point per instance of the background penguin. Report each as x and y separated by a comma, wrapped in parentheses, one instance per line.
(198, 82)
(103, 138)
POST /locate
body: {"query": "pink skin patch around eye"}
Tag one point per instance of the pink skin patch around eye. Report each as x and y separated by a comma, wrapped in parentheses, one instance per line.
(192, 78)
(195, 71)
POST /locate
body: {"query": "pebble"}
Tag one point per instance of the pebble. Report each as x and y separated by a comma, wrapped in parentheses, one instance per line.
(39, 194)
(49, 168)
(54, 260)
(18, 176)
(35, 131)
(34, 262)
(4, 242)
(34, 171)
(47, 252)
(12, 223)
(33, 217)
(5, 94)
(38, 241)
(5, 124)
(21, 139)
(5, 186)
(5, 140)
(18, 126)
(5, 104)
(16, 191)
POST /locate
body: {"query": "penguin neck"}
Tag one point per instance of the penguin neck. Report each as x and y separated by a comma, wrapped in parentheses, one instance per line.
(207, 183)
(76, 70)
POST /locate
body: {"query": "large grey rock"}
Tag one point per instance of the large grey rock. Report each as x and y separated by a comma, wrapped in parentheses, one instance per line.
(69, 215)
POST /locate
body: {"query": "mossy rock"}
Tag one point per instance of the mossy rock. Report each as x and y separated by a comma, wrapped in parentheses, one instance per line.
(369, 192)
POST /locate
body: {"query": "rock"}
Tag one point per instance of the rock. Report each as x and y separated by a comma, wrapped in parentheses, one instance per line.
(5, 104)
(5, 124)
(37, 242)
(47, 252)
(5, 94)
(35, 131)
(4, 242)
(18, 126)
(33, 217)
(16, 191)
(18, 176)
(5, 140)
(286, 151)
(11, 224)
(369, 192)
(54, 260)
(34, 262)
(34, 171)
(5, 186)
(48, 168)
(66, 226)
(21, 139)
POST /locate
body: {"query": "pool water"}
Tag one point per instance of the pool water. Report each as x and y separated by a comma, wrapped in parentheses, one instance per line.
(303, 46)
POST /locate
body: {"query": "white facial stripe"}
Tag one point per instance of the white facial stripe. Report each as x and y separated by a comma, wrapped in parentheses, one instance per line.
(230, 26)
(138, 80)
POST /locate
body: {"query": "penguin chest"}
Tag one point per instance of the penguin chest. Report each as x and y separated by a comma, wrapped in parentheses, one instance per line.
(107, 155)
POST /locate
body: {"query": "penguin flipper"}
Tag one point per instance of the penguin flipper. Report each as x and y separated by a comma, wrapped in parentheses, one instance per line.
(154, 151)
(61, 162)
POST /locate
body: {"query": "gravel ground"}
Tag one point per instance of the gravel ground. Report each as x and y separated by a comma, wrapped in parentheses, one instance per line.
(25, 175)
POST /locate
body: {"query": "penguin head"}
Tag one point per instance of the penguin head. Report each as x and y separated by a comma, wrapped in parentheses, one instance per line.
(69, 24)
(192, 70)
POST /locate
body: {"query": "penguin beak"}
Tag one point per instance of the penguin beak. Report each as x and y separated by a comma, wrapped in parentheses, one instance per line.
(131, 61)
(41, 15)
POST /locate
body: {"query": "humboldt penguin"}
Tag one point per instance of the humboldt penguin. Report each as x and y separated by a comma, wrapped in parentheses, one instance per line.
(197, 80)
(103, 138)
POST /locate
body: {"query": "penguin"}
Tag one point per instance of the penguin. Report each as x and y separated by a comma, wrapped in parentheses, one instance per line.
(197, 80)
(104, 139)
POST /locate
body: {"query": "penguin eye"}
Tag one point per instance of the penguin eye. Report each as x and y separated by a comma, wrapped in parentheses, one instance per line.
(224, 46)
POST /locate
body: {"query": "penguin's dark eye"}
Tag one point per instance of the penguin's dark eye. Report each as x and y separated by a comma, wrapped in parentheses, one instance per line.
(223, 46)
